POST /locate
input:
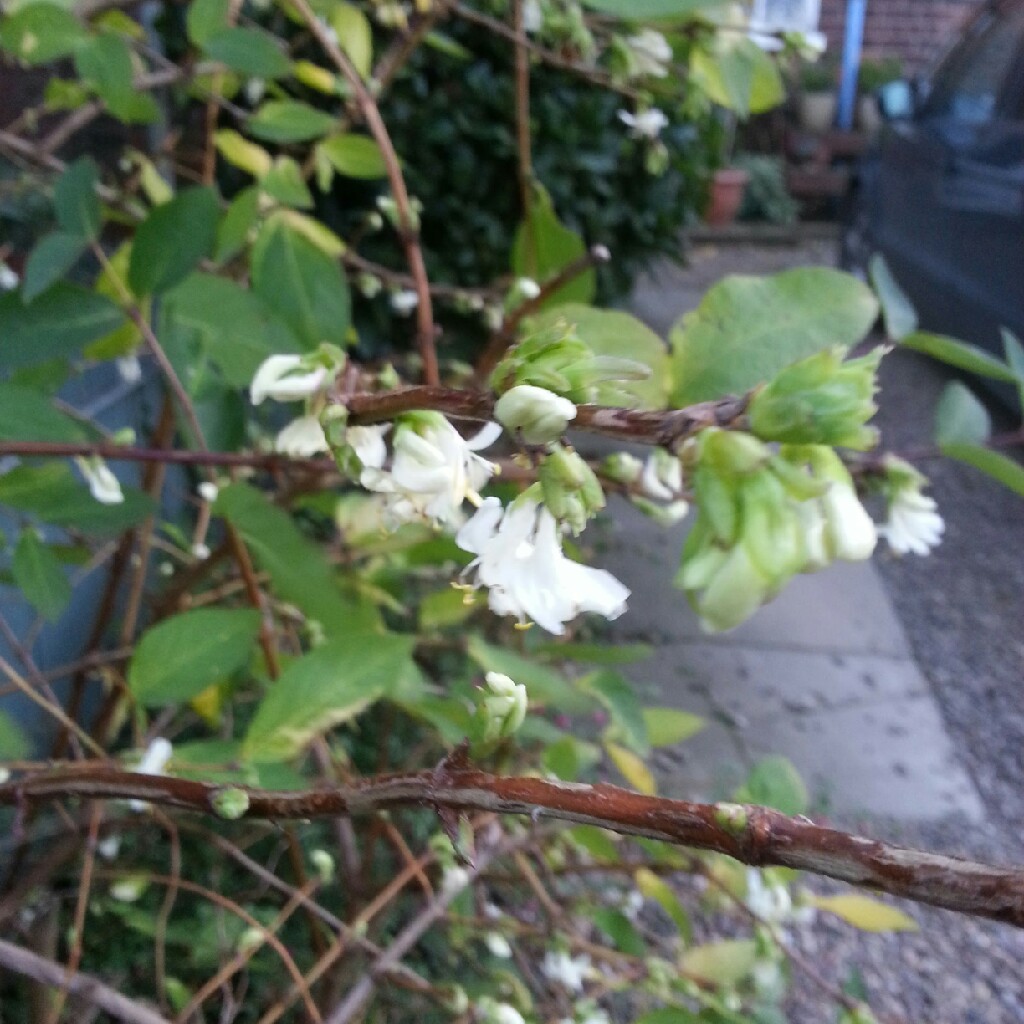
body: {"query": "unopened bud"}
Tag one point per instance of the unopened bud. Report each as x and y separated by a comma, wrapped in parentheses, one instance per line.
(539, 415)
(503, 708)
(230, 803)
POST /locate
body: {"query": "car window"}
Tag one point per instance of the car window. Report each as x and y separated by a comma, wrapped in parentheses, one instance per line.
(967, 86)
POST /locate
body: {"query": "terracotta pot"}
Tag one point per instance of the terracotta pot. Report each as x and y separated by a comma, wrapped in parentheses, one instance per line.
(726, 195)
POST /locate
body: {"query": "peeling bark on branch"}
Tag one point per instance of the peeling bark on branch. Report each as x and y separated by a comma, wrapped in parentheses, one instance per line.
(753, 835)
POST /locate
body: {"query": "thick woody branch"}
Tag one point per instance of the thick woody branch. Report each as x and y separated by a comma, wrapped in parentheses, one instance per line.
(752, 835)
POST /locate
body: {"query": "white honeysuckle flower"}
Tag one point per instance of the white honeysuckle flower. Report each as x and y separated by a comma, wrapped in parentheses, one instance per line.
(527, 287)
(404, 302)
(498, 945)
(368, 445)
(9, 279)
(130, 889)
(284, 378)
(533, 16)
(540, 415)
(200, 551)
(302, 437)
(129, 368)
(849, 530)
(914, 524)
(208, 491)
(492, 1012)
(154, 761)
(813, 522)
(771, 903)
(662, 477)
(651, 53)
(454, 878)
(109, 847)
(504, 706)
(645, 125)
(567, 971)
(102, 483)
(521, 562)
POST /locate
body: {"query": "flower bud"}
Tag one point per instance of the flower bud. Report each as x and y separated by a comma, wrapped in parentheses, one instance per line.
(539, 415)
(230, 802)
(622, 467)
(333, 421)
(323, 863)
(102, 483)
(503, 709)
(571, 490)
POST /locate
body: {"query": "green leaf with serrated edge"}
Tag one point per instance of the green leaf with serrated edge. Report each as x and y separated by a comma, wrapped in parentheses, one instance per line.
(724, 963)
(249, 51)
(284, 182)
(865, 913)
(618, 696)
(666, 726)
(235, 328)
(898, 313)
(774, 782)
(355, 36)
(657, 889)
(643, 10)
(960, 417)
(355, 156)
(297, 569)
(595, 654)
(747, 329)
(172, 240)
(55, 325)
(14, 743)
(75, 200)
(303, 285)
(289, 121)
(104, 62)
(238, 221)
(331, 685)
(1014, 351)
(543, 246)
(205, 18)
(959, 354)
(183, 655)
(28, 415)
(40, 576)
(1008, 472)
(53, 256)
(610, 332)
(543, 684)
(41, 32)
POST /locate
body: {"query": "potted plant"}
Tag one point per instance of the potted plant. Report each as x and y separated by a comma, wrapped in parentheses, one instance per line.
(871, 76)
(728, 182)
(817, 104)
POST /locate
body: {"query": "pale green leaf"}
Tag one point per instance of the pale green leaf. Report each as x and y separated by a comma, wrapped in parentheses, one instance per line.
(1007, 471)
(172, 240)
(355, 36)
(1014, 351)
(865, 913)
(746, 329)
(53, 256)
(355, 156)
(898, 313)
(112, 284)
(658, 890)
(284, 182)
(241, 153)
(959, 354)
(323, 689)
(40, 576)
(75, 201)
(737, 74)
(633, 769)
(774, 782)
(249, 51)
(289, 121)
(960, 417)
(600, 843)
(666, 726)
(14, 744)
(724, 963)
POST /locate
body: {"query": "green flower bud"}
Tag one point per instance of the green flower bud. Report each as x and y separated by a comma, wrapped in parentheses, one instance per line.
(503, 708)
(230, 802)
(323, 863)
(333, 421)
(571, 490)
(622, 467)
(820, 400)
(539, 415)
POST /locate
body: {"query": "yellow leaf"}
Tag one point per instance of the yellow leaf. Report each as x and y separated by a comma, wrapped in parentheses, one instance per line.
(242, 153)
(657, 889)
(666, 726)
(633, 769)
(721, 963)
(207, 705)
(866, 914)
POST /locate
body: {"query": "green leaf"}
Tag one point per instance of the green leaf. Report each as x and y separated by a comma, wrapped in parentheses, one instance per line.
(1014, 359)
(543, 246)
(284, 182)
(447, 607)
(898, 313)
(303, 285)
(40, 576)
(172, 240)
(567, 756)
(56, 324)
(112, 284)
(643, 10)
(724, 963)
(14, 744)
(323, 689)
(774, 782)
(960, 417)
(616, 694)
(40, 32)
(355, 156)
(746, 329)
(289, 121)
(183, 655)
(249, 51)
(296, 566)
(238, 220)
(865, 913)
(600, 843)
(737, 74)
(242, 153)
(595, 654)
(959, 354)
(668, 1015)
(205, 18)
(53, 256)
(666, 726)
(75, 200)
(610, 332)
(355, 36)
(28, 415)
(657, 889)
(1008, 472)
(618, 928)
(105, 63)
(234, 327)
(633, 769)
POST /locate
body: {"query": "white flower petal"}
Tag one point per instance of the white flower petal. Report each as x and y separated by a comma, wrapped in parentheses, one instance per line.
(302, 437)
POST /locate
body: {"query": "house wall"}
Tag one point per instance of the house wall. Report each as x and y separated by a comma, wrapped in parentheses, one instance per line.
(915, 31)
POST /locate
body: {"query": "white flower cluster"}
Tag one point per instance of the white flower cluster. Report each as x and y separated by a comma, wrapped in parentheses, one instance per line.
(914, 525)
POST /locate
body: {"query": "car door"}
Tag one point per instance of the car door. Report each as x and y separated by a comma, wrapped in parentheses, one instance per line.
(950, 218)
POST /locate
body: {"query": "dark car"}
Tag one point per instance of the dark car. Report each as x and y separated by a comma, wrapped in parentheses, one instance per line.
(941, 193)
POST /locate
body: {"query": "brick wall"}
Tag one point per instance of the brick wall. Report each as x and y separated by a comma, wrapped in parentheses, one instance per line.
(916, 31)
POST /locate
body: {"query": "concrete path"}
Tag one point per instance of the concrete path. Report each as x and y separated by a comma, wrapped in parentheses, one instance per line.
(823, 675)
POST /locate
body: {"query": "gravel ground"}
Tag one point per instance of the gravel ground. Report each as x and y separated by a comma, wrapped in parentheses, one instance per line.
(963, 610)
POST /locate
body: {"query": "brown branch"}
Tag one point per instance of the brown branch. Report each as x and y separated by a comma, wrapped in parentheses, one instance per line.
(753, 835)
(81, 986)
